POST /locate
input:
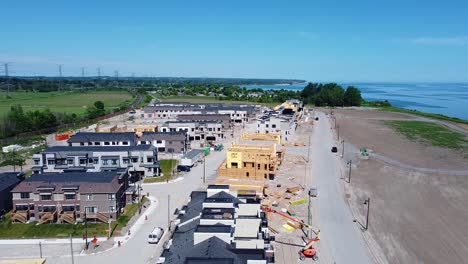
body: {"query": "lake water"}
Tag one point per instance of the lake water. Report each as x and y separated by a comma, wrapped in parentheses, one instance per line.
(450, 99)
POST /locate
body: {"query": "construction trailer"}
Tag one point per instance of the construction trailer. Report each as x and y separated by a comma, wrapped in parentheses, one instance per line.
(192, 157)
(257, 162)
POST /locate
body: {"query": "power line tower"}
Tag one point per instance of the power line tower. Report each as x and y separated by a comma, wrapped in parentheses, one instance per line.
(60, 77)
(116, 75)
(82, 77)
(7, 77)
(99, 73)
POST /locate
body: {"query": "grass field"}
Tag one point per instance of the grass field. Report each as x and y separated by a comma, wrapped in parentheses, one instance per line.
(208, 99)
(166, 169)
(430, 133)
(33, 230)
(428, 115)
(69, 102)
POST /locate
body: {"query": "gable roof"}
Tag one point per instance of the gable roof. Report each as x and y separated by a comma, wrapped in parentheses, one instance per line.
(98, 148)
(223, 197)
(8, 179)
(99, 136)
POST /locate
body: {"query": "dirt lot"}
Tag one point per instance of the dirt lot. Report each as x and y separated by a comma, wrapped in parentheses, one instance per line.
(366, 128)
(415, 216)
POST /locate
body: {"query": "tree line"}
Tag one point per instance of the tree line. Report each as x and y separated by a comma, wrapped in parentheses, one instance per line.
(19, 121)
(330, 94)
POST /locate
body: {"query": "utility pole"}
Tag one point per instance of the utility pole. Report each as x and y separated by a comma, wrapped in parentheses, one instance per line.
(367, 217)
(169, 211)
(349, 173)
(338, 130)
(342, 150)
(204, 168)
(86, 230)
(308, 151)
(60, 77)
(71, 249)
(40, 249)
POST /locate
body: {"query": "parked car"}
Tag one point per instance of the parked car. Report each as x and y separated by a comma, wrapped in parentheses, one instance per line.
(132, 111)
(334, 149)
(155, 235)
(182, 168)
(313, 192)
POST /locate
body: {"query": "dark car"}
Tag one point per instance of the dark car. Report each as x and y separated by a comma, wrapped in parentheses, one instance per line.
(334, 149)
(183, 168)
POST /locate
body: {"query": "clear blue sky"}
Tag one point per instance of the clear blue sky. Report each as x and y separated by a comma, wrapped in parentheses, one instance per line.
(358, 40)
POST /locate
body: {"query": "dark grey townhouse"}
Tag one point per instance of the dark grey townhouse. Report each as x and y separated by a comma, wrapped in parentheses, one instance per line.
(140, 160)
(70, 197)
(8, 181)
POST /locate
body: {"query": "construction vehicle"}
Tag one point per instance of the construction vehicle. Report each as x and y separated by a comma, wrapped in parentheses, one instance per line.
(308, 251)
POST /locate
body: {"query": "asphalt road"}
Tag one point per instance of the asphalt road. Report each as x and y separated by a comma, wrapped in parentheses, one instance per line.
(341, 241)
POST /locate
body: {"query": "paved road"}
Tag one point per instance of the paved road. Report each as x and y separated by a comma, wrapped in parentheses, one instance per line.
(341, 241)
(137, 250)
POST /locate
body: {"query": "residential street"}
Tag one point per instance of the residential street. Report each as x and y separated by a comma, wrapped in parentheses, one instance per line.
(341, 241)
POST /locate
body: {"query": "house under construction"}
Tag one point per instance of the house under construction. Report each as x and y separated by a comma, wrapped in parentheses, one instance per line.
(274, 137)
(256, 162)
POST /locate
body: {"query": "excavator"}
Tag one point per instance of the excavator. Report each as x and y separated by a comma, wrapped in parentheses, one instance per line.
(308, 251)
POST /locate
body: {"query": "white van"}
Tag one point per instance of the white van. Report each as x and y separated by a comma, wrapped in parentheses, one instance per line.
(155, 235)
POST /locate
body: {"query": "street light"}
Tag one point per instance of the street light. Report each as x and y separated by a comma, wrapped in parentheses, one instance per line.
(342, 149)
(367, 201)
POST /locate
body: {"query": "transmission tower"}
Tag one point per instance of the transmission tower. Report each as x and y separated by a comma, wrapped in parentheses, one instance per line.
(116, 75)
(7, 77)
(60, 77)
(82, 77)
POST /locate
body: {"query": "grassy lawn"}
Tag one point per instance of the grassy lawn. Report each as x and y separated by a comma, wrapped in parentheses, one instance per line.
(166, 169)
(33, 230)
(428, 115)
(430, 133)
(70, 102)
(209, 99)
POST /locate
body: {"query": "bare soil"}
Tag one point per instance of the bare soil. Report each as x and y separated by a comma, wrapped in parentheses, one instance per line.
(415, 217)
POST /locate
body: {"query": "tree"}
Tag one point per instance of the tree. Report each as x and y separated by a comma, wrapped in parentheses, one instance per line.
(99, 105)
(352, 96)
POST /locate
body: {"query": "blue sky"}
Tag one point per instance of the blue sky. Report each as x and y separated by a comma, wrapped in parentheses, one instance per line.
(359, 40)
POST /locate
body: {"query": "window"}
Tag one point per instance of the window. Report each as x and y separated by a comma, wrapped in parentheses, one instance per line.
(82, 161)
(89, 197)
(125, 143)
(107, 143)
(91, 210)
(104, 162)
(112, 209)
(247, 174)
(51, 162)
(24, 195)
(273, 126)
(158, 141)
(134, 160)
(149, 159)
(70, 162)
(113, 161)
(97, 143)
(111, 197)
(36, 162)
(81, 143)
(46, 197)
(126, 161)
(70, 196)
(266, 125)
(96, 160)
(170, 142)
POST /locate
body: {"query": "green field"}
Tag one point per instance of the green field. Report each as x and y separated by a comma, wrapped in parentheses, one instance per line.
(430, 133)
(423, 114)
(33, 230)
(69, 102)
